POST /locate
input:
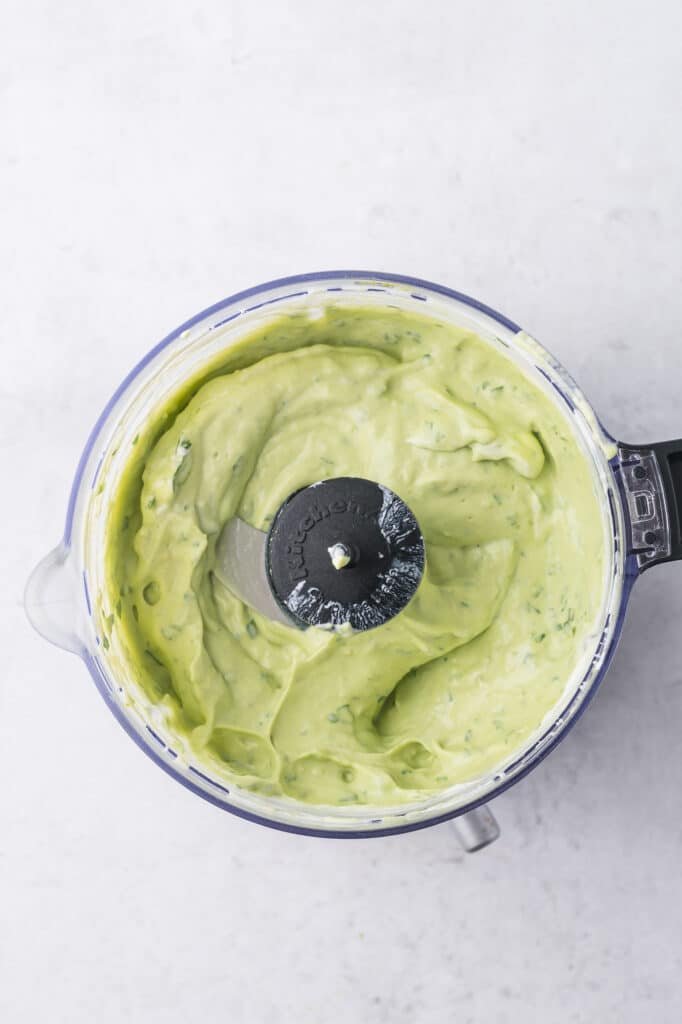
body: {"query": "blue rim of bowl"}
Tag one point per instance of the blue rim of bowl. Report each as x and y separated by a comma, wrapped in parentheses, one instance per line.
(631, 570)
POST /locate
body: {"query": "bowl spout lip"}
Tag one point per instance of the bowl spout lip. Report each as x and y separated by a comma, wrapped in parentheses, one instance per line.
(52, 601)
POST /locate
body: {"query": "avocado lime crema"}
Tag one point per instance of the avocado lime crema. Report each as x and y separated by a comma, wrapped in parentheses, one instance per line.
(457, 682)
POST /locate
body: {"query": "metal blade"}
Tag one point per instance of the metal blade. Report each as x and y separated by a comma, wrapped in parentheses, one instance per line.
(240, 566)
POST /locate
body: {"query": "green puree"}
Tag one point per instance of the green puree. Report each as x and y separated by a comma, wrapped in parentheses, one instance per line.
(457, 682)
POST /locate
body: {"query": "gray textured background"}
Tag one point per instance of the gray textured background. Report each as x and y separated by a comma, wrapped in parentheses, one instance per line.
(155, 157)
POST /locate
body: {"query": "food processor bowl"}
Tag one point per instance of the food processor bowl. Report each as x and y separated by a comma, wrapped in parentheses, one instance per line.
(639, 490)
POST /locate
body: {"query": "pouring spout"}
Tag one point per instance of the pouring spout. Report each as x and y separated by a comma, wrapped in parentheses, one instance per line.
(51, 600)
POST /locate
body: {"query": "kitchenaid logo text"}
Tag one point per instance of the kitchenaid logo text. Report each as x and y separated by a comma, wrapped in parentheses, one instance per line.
(296, 541)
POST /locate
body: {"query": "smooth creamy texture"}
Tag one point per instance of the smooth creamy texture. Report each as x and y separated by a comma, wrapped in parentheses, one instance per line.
(457, 682)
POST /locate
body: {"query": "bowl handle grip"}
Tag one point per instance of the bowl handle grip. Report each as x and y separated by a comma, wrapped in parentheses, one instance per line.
(650, 477)
(476, 829)
(51, 600)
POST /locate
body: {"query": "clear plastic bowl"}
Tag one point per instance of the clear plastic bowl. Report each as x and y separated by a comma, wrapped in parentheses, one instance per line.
(62, 597)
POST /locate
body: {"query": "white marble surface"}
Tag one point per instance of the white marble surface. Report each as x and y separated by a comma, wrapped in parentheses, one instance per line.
(157, 156)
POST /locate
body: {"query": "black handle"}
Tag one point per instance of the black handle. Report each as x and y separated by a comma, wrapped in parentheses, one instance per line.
(651, 476)
(669, 457)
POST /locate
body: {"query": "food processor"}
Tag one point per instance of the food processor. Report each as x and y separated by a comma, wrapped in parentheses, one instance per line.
(640, 498)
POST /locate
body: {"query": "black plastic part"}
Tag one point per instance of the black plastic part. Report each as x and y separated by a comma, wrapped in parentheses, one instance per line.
(667, 529)
(669, 457)
(380, 533)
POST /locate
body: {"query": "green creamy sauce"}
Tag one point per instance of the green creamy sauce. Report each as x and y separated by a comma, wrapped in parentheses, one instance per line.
(458, 681)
